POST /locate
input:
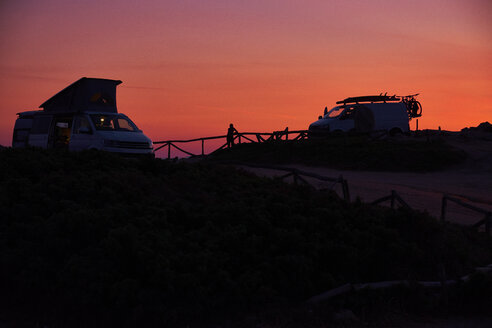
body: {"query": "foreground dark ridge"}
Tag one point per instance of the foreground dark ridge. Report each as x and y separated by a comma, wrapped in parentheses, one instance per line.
(95, 239)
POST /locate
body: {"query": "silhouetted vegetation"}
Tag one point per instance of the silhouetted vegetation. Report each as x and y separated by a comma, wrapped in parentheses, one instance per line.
(352, 153)
(92, 238)
(482, 127)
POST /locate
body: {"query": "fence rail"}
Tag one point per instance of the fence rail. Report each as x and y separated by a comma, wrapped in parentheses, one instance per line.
(248, 137)
(298, 175)
(394, 196)
(486, 221)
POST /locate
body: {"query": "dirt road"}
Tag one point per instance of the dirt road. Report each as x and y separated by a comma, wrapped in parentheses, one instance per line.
(471, 182)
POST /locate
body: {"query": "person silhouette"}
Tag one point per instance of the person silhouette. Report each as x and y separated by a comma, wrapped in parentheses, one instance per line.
(230, 135)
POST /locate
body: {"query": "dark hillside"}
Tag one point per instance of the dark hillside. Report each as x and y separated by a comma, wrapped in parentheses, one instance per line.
(352, 153)
(93, 239)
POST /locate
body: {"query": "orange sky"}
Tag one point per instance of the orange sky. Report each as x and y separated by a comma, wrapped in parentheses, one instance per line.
(189, 68)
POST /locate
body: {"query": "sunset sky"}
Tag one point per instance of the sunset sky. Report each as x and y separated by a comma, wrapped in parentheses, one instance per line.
(189, 68)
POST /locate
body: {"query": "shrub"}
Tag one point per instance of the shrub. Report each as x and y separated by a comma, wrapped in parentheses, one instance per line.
(91, 237)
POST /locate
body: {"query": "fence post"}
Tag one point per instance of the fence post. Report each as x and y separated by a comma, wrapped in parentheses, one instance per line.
(345, 190)
(443, 208)
(488, 218)
(239, 139)
(287, 133)
(203, 148)
(346, 194)
(393, 199)
(168, 150)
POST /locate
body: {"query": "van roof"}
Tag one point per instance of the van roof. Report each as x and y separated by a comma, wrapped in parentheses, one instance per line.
(84, 94)
(28, 113)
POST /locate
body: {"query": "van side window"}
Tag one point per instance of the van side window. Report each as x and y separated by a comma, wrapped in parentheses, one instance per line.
(82, 123)
(41, 125)
(349, 114)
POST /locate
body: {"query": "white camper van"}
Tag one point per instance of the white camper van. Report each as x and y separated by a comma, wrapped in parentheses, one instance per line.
(81, 116)
(368, 113)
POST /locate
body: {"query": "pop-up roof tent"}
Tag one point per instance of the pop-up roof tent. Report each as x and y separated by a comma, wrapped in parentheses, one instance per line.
(86, 94)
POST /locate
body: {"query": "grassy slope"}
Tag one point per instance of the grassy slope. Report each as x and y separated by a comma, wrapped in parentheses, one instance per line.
(92, 236)
(351, 152)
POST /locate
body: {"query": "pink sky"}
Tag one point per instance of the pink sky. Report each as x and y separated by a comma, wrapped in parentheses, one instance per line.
(189, 68)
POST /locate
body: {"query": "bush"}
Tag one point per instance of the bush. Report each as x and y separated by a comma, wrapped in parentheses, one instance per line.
(92, 238)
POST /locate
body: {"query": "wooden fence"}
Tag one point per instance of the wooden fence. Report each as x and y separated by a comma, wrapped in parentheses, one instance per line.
(298, 175)
(392, 197)
(248, 137)
(486, 221)
(431, 284)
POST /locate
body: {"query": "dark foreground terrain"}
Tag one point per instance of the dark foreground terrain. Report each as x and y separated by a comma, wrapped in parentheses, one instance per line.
(93, 239)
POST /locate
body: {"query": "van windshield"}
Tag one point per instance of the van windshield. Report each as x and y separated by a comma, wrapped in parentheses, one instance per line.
(111, 122)
(335, 111)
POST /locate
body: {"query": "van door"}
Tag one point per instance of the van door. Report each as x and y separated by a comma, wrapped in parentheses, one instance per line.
(41, 125)
(83, 136)
(61, 132)
(345, 121)
(364, 119)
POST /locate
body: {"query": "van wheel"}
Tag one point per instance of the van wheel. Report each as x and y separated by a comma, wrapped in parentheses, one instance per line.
(395, 132)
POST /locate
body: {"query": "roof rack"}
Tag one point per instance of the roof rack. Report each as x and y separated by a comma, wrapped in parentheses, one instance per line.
(381, 97)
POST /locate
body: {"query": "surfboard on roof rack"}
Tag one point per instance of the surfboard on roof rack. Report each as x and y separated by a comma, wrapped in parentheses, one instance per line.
(380, 98)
